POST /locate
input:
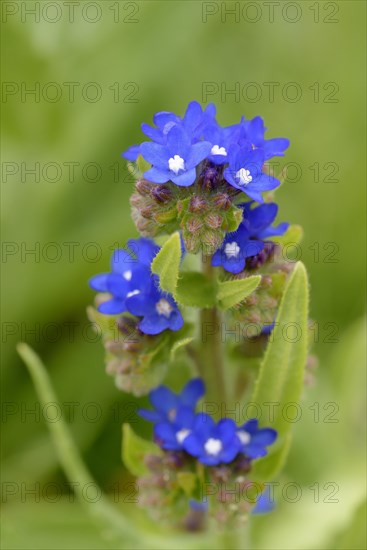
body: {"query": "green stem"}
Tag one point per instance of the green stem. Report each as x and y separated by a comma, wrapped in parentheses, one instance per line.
(211, 349)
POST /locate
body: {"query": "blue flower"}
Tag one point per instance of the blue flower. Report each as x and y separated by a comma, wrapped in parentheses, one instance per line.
(193, 122)
(272, 147)
(176, 160)
(136, 290)
(212, 443)
(249, 239)
(259, 220)
(220, 143)
(250, 134)
(245, 172)
(166, 402)
(132, 153)
(265, 503)
(158, 309)
(254, 440)
(129, 276)
(171, 434)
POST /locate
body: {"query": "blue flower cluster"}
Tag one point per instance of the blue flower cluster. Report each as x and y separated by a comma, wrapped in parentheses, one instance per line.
(179, 145)
(178, 428)
(134, 289)
(249, 239)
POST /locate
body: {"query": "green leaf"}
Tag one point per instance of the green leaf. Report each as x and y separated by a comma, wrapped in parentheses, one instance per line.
(195, 290)
(233, 292)
(354, 535)
(167, 263)
(178, 345)
(281, 375)
(134, 450)
(187, 482)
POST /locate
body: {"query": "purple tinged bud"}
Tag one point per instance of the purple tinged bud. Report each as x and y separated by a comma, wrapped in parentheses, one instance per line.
(251, 300)
(147, 211)
(174, 460)
(195, 520)
(194, 225)
(214, 221)
(126, 325)
(266, 281)
(210, 177)
(153, 462)
(198, 204)
(222, 201)
(161, 194)
(135, 200)
(144, 187)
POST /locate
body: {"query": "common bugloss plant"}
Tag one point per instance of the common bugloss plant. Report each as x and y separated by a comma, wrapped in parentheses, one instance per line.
(216, 292)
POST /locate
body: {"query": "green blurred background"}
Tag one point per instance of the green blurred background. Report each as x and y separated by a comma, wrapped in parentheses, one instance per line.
(98, 74)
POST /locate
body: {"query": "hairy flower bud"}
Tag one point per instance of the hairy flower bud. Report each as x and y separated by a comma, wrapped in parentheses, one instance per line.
(213, 220)
(144, 187)
(222, 201)
(161, 194)
(198, 204)
(194, 225)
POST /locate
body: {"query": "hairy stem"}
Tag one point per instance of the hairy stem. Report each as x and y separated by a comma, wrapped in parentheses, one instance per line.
(211, 349)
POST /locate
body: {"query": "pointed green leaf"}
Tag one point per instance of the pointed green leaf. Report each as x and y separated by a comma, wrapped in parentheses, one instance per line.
(233, 292)
(187, 482)
(281, 375)
(135, 449)
(195, 290)
(167, 262)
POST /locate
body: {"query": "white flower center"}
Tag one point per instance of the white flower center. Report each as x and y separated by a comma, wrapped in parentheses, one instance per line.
(164, 308)
(216, 150)
(244, 176)
(132, 293)
(244, 437)
(176, 164)
(182, 434)
(232, 250)
(213, 446)
(127, 275)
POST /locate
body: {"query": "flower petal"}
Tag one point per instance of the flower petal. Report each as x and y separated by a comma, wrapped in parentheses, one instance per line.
(99, 282)
(112, 307)
(198, 152)
(157, 176)
(185, 179)
(156, 154)
(192, 392)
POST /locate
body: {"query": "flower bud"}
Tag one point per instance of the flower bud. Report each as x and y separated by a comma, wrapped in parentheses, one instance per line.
(147, 211)
(211, 241)
(194, 224)
(198, 204)
(144, 187)
(214, 221)
(161, 194)
(222, 201)
(166, 216)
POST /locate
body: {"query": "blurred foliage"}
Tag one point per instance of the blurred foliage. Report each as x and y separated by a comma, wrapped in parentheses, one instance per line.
(169, 53)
